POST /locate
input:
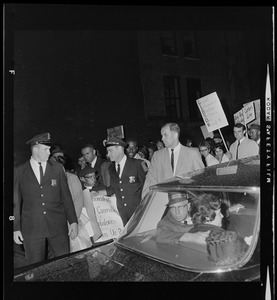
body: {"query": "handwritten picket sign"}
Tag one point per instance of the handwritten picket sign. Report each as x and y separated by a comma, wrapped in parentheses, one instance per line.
(212, 112)
(205, 132)
(249, 112)
(107, 217)
(238, 117)
(117, 131)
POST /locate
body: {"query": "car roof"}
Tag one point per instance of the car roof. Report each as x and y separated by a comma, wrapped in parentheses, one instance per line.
(233, 174)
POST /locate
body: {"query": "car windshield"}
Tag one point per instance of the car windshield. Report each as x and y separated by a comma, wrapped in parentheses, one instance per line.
(230, 247)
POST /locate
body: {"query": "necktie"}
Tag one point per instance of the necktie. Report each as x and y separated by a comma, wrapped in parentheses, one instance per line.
(40, 171)
(172, 160)
(237, 154)
(118, 169)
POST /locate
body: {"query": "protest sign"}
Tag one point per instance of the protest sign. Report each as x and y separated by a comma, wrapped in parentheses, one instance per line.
(116, 132)
(212, 112)
(205, 132)
(238, 117)
(249, 112)
(107, 217)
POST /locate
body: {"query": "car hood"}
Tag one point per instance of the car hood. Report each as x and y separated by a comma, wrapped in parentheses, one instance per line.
(115, 263)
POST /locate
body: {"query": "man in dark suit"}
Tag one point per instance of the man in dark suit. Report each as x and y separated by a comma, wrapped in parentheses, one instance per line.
(127, 177)
(44, 213)
(93, 160)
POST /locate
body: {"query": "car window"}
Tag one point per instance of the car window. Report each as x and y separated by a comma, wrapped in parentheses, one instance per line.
(240, 210)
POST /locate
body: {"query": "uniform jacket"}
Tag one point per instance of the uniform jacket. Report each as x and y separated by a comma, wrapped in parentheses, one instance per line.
(160, 168)
(42, 210)
(247, 148)
(128, 188)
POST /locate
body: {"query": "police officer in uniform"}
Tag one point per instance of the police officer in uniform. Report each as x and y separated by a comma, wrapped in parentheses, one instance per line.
(127, 177)
(43, 206)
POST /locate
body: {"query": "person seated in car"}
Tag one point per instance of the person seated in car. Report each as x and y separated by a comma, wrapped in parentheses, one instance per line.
(174, 227)
(224, 247)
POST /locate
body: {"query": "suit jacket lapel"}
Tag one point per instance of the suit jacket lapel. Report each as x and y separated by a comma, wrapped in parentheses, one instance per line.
(47, 172)
(30, 173)
(181, 158)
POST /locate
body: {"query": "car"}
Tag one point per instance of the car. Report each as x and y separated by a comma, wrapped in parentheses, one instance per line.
(137, 256)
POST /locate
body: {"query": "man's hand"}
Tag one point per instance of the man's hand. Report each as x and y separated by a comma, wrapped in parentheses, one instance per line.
(198, 237)
(73, 230)
(17, 237)
(236, 207)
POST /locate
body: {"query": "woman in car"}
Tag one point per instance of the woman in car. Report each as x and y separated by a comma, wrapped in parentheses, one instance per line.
(224, 247)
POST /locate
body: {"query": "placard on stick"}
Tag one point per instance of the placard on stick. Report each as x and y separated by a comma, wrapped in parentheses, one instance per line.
(116, 132)
(212, 112)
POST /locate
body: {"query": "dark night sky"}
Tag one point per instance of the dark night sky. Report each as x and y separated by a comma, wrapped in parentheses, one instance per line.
(60, 64)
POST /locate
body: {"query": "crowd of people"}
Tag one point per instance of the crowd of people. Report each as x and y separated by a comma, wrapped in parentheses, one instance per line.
(49, 201)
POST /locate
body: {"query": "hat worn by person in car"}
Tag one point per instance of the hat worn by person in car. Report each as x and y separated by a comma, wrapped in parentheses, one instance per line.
(175, 197)
(87, 170)
(255, 126)
(43, 139)
(114, 141)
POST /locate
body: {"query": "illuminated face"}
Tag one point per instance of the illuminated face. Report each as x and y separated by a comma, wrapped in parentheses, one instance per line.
(88, 154)
(238, 133)
(254, 134)
(41, 152)
(169, 138)
(204, 151)
(115, 153)
(179, 211)
(218, 152)
(90, 179)
(132, 149)
(217, 221)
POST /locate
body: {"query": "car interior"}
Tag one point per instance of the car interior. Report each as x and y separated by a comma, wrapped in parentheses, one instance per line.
(241, 214)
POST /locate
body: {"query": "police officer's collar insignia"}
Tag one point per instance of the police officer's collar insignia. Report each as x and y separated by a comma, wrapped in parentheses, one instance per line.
(132, 179)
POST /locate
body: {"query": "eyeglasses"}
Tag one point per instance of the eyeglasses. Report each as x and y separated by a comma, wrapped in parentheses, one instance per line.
(203, 150)
(90, 177)
(177, 208)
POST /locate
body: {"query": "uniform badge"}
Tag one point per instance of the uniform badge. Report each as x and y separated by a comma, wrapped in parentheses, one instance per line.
(132, 179)
(53, 182)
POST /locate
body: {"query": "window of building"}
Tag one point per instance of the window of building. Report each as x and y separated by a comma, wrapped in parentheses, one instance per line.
(189, 45)
(168, 43)
(172, 97)
(194, 93)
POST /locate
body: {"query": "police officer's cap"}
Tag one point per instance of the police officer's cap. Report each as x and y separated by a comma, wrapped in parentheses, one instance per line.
(43, 139)
(114, 141)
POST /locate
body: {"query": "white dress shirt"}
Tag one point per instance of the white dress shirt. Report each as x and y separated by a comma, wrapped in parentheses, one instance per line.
(35, 167)
(122, 164)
